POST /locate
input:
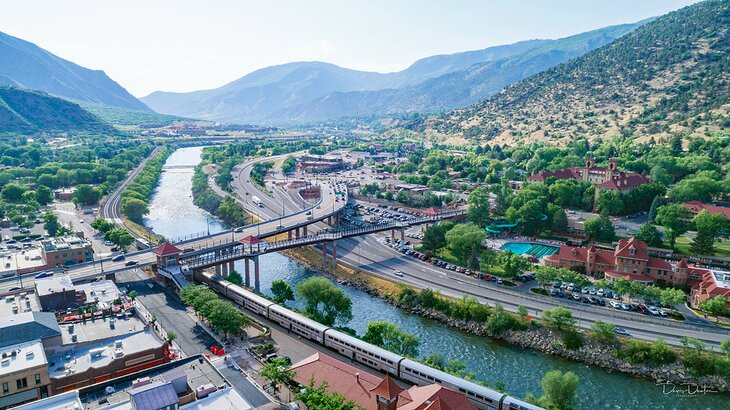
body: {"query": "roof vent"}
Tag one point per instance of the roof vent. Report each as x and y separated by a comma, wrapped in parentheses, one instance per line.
(29, 355)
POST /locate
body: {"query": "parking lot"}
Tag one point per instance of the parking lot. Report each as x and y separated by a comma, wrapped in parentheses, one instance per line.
(602, 297)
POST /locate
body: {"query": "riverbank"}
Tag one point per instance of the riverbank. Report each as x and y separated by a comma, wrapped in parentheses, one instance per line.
(537, 337)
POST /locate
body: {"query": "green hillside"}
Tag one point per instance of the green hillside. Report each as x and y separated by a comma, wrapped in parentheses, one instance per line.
(31, 112)
(668, 76)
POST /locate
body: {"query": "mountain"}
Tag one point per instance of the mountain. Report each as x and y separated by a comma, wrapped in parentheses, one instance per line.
(310, 91)
(670, 75)
(30, 112)
(460, 87)
(25, 65)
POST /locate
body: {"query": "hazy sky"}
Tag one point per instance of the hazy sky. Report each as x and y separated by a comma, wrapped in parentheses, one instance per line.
(181, 45)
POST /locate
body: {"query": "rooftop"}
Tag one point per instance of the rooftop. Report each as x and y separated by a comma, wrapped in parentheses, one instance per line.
(100, 329)
(225, 399)
(102, 354)
(25, 260)
(64, 243)
(19, 303)
(53, 284)
(199, 372)
(722, 278)
(103, 292)
(22, 356)
(28, 326)
(64, 401)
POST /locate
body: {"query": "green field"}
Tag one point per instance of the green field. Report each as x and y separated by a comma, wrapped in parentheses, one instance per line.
(722, 249)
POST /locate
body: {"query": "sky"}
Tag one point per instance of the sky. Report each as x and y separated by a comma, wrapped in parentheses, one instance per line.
(184, 45)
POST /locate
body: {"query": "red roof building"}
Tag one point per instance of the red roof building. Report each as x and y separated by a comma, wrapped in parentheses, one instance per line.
(630, 260)
(167, 255)
(695, 207)
(375, 393)
(712, 283)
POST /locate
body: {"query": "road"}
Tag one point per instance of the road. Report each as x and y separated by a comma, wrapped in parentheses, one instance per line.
(371, 255)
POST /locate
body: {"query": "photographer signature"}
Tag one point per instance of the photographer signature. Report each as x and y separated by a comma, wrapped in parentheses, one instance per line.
(688, 389)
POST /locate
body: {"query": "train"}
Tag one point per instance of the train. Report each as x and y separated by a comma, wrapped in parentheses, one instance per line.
(369, 355)
(256, 200)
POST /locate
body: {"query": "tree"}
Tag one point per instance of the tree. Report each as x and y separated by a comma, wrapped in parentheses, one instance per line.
(434, 237)
(102, 225)
(479, 206)
(282, 291)
(462, 239)
(610, 203)
(226, 317)
(277, 372)
(531, 216)
(559, 317)
(87, 195)
(13, 192)
(650, 234)
(132, 295)
(391, 337)
(319, 398)
(655, 204)
(235, 278)
(559, 389)
(715, 306)
(120, 237)
(512, 264)
(43, 195)
(325, 302)
(51, 223)
(671, 297)
(725, 347)
(134, 209)
(600, 229)
(559, 222)
(603, 332)
(171, 336)
(708, 227)
(674, 217)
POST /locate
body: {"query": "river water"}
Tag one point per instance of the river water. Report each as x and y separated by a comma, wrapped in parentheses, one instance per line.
(173, 214)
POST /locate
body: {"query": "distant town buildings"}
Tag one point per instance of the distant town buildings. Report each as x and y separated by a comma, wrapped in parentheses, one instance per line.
(320, 163)
(695, 207)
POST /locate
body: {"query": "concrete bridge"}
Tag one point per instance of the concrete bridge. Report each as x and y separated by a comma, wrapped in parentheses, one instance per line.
(250, 248)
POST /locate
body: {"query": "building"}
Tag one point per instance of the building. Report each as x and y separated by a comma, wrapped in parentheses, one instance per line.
(320, 163)
(66, 250)
(64, 194)
(59, 293)
(630, 260)
(604, 178)
(25, 327)
(695, 207)
(373, 392)
(711, 283)
(23, 373)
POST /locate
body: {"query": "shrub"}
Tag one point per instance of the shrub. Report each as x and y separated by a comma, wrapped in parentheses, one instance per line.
(572, 339)
(655, 353)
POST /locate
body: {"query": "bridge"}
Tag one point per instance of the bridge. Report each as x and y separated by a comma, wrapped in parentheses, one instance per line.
(223, 255)
(178, 167)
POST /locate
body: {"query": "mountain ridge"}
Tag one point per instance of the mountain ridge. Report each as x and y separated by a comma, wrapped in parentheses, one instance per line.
(27, 65)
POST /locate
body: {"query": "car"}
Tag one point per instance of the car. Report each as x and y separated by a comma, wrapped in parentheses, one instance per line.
(493, 279)
(600, 293)
(309, 218)
(397, 273)
(601, 302)
(560, 293)
(26, 239)
(279, 226)
(118, 258)
(11, 241)
(217, 350)
(576, 297)
(501, 281)
(108, 243)
(81, 221)
(553, 292)
(625, 306)
(309, 213)
(239, 229)
(44, 275)
(621, 331)
(556, 284)
(615, 304)
(592, 292)
(131, 263)
(592, 300)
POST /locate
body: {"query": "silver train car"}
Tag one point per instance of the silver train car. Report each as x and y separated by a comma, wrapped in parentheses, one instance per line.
(360, 351)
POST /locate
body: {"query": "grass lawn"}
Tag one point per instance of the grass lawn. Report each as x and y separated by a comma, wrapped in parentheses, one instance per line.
(445, 255)
(722, 249)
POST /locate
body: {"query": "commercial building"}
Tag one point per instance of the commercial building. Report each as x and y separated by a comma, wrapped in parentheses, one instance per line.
(23, 373)
(373, 392)
(320, 163)
(64, 194)
(712, 283)
(66, 250)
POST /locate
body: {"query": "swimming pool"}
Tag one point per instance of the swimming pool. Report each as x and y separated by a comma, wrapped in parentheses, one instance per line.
(521, 248)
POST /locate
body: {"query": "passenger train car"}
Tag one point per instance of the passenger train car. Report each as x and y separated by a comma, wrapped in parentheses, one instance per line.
(358, 350)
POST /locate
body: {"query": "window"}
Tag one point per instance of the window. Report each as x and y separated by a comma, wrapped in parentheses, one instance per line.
(37, 379)
(6, 388)
(22, 383)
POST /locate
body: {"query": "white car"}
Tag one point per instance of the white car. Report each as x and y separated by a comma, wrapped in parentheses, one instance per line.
(397, 273)
(81, 221)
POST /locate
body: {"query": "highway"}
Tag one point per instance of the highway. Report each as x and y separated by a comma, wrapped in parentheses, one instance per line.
(370, 254)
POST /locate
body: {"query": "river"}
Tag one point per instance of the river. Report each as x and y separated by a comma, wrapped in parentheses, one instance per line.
(173, 214)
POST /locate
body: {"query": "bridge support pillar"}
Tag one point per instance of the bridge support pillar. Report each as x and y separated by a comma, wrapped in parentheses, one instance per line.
(337, 219)
(392, 234)
(248, 276)
(257, 282)
(304, 228)
(224, 270)
(334, 254)
(231, 267)
(288, 234)
(218, 270)
(402, 234)
(297, 233)
(324, 254)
